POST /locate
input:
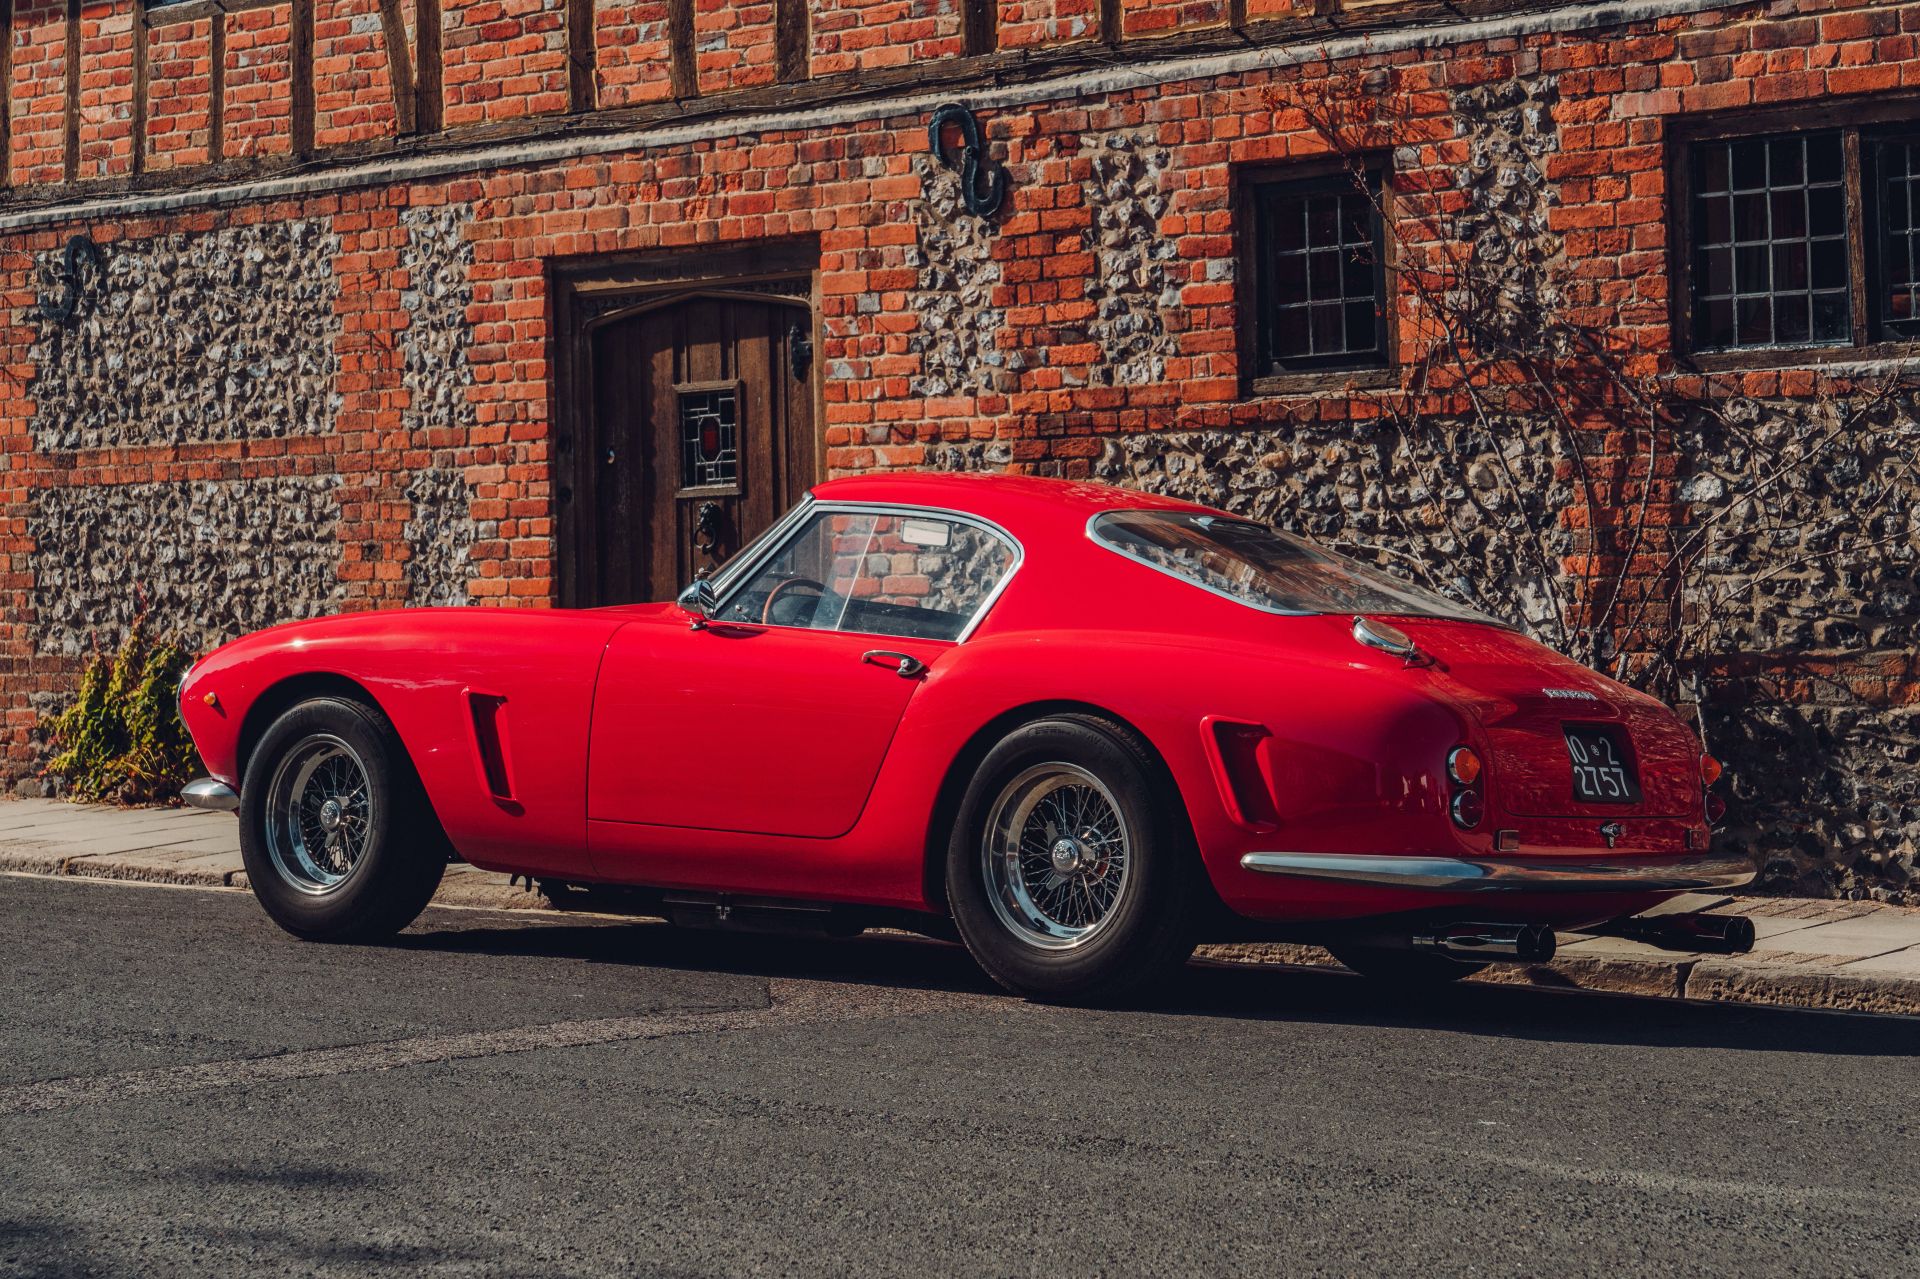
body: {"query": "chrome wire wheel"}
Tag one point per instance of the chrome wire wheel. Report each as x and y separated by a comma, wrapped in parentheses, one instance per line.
(1057, 856)
(320, 814)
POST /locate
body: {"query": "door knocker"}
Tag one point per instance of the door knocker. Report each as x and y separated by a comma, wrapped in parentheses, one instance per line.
(706, 529)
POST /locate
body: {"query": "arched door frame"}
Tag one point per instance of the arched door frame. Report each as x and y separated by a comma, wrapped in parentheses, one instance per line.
(590, 294)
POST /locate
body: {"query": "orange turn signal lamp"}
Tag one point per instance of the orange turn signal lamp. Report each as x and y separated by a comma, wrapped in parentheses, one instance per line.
(1710, 770)
(1463, 766)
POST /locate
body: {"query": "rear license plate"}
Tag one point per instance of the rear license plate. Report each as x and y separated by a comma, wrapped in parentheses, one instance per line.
(1601, 773)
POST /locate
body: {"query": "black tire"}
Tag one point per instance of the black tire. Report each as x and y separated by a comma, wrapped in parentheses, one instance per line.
(1403, 967)
(1142, 936)
(343, 881)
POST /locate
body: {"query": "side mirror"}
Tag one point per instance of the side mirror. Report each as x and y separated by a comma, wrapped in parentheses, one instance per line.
(699, 602)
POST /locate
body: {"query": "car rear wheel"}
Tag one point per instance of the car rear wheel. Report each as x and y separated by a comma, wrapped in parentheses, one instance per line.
(1403, 967)
(337, 836)
(1070, 869)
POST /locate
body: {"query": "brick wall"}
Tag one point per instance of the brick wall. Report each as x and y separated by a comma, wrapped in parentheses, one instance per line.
(631, 53)
(37, 99)
(352, 86)
(106, 90)
(1027, 24)
(180, 107)
(733, 44)
(390, 396)
(1162, 17)
(503, 60)
(257, 71)
(852, 34)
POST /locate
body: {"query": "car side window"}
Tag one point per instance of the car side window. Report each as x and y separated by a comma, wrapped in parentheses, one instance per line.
(908, 575)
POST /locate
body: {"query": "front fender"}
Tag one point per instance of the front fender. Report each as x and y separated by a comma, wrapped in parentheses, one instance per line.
(427, 670)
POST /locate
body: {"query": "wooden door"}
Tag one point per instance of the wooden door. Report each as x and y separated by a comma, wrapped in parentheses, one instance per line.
(698, 436)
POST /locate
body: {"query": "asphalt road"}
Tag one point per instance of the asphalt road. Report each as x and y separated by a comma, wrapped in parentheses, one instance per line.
(185, 1090)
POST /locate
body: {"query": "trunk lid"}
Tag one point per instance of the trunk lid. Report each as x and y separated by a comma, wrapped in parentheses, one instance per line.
(1526, 697)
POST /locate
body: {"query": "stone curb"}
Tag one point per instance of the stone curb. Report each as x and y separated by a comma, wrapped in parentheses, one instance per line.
(1724, 980)
(1705, 979)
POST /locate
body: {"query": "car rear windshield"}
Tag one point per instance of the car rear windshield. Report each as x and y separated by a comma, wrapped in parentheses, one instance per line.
(1264, 568)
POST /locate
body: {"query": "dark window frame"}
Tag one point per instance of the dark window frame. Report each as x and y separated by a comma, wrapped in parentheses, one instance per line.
(1254, 189)
(1879, 194)
(1862, 127)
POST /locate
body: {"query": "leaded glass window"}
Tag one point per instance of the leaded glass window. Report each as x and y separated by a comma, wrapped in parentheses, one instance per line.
(709, 437)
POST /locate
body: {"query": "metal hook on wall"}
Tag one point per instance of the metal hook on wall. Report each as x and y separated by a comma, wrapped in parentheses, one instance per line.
(81, 253)
(983, 184)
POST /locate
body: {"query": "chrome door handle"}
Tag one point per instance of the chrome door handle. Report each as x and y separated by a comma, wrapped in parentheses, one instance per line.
(904, 666)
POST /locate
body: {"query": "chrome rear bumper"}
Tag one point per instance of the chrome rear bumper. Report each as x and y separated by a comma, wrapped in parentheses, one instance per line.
(1686, 872)
(210, 793)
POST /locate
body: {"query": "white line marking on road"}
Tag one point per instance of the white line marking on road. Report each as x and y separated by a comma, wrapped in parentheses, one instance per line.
(793, 1002)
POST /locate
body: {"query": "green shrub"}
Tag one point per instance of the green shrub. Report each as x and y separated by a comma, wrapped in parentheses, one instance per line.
(122, 739)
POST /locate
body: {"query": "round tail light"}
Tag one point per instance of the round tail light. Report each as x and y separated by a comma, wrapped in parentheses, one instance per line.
(1716, 809)
(1468, 808)
(1463, 766)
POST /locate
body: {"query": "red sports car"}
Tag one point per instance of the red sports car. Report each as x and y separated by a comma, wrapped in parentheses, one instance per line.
(1088, 727)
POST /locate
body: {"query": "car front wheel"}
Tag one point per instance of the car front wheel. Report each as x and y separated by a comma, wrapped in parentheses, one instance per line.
(338, 839)
(1070, 871)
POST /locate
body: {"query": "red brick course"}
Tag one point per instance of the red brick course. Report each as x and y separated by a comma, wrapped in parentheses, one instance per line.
(631, 53)
(180, 101)
(36, 100)
(106, 90)
(503, 60)
(352, 86)
(258, 72)
(857, 34)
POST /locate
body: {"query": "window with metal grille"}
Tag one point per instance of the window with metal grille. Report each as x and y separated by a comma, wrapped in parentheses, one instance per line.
(1798, 240)
(1771, 265)
(1897, 208)
(1318, 260)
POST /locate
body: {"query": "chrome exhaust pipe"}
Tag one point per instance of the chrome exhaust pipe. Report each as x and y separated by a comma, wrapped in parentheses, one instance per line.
(1712, 934)
(1490, 943)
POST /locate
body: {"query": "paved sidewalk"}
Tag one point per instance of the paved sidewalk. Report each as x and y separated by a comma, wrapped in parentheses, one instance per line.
(178, 846)
(1850, 956)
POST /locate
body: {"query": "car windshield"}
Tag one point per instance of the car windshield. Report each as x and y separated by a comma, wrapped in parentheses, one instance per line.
(1264, 568)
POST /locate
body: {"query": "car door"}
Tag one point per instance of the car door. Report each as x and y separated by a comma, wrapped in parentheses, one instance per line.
(775, 717)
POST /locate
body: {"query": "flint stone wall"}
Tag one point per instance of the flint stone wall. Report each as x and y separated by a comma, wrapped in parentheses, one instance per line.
(958, 340)
(1130, 287)
(1825, 770)
(437, 375)
(211, 559)
(1807, 517)
(1511, 135)
(438, 261)
(440, 537)
(185, 338)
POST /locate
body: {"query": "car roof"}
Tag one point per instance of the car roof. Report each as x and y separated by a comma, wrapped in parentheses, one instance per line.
(1004, 499)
